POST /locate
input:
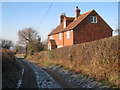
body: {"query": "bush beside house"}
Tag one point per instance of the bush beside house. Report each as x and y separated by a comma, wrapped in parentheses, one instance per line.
(98, 59)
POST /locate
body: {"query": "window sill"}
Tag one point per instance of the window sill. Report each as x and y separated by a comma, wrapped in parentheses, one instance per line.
(93, 22)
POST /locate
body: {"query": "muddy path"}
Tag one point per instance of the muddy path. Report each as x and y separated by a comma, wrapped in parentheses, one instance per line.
(28, 78)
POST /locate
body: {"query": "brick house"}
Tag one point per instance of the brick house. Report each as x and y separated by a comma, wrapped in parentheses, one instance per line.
(79, 29)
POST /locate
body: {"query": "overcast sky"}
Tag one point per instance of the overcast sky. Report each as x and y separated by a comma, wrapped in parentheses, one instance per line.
(44, 16)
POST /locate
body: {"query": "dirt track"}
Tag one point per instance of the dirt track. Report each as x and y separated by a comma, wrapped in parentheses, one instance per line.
(62, 81)
(29, 79)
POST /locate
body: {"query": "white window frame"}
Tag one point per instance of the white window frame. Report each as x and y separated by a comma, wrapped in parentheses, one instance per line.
(68, 34)
(93, 19)
(60, 35)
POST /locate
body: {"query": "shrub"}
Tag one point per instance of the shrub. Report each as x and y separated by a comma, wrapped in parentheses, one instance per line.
(98, 59)
(10, 69)
(52, 54)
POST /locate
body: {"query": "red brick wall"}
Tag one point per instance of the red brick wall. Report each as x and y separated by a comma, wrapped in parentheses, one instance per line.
(64, 41)
(59, 42)
(68, 41)
(88, 31)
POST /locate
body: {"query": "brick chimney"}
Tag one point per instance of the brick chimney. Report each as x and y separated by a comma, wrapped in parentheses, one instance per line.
(77, 12)
(62, 17)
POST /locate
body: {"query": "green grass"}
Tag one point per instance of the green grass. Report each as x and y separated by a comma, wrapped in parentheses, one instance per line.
(52, 54)
(98, 59)
(109, 84)
(46, 63)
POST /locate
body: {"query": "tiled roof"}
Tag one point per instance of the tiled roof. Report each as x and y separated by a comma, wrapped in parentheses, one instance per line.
(58, 29)
(72, 25)
(77, 21)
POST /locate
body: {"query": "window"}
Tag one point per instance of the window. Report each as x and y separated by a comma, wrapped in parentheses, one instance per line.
(93, 19)
(68, 34)
(60, 35)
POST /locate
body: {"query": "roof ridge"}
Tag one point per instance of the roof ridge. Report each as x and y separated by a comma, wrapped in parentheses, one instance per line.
(79, 17)
(86, 13)
(73, 24)
(53, 31)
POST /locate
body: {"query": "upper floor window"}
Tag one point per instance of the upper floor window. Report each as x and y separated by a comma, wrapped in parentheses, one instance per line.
(68, 34)
(93, 19)
(60, 35)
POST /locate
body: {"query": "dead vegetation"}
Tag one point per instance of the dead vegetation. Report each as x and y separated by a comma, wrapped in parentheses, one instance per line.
(10, 69)
(97, 59)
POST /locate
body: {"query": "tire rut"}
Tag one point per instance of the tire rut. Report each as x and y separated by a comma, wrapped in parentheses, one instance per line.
(28, 78)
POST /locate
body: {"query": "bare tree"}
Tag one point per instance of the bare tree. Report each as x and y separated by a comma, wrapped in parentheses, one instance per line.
(118, 30)
(45, 43)
(6, 43)
(28, 35)
(18, 49)
(31, 39)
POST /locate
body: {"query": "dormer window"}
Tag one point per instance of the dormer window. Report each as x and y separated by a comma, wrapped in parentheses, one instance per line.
(93, 19)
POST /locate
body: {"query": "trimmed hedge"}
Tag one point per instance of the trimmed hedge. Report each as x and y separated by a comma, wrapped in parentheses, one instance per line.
(97, 59)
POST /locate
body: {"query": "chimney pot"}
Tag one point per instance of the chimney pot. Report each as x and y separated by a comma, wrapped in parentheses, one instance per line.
(77, 12)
